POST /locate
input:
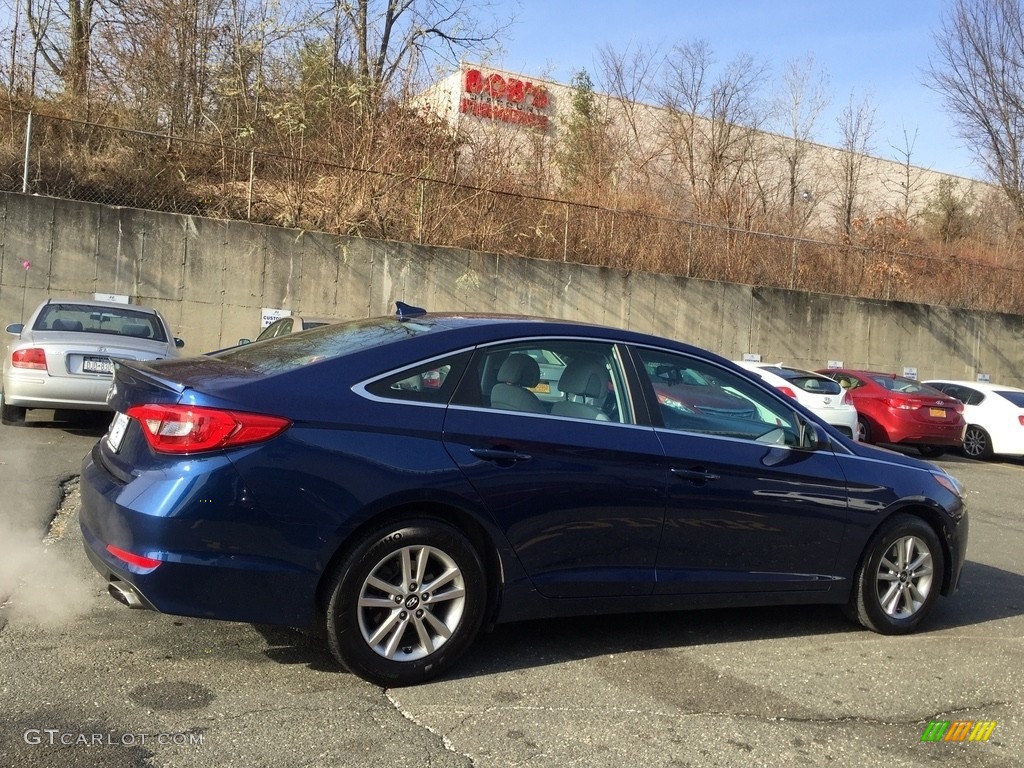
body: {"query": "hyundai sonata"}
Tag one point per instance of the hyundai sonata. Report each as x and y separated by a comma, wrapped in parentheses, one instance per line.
(312, 480)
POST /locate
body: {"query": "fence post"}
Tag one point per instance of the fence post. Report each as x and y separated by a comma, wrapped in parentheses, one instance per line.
(252, 167)
(689, 249)
(419, 216)
(565, 235)
(792, 267)
(28, 146)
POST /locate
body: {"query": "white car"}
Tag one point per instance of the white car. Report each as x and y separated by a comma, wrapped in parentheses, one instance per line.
(62, 357)
(818, 393)
(994, 416)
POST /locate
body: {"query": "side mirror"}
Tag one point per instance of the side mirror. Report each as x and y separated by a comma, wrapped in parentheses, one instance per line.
(179, 343)
(244, 341)
(15, 328)
(813, 437)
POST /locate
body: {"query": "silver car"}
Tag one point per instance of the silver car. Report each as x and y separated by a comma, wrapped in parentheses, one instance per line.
(61, 358)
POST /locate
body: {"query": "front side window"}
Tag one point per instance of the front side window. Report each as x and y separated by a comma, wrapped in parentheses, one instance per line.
(566, 378)
(694, 395)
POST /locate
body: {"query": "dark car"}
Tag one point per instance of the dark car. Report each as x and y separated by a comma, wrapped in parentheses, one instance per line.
(313, 480)
(902, 411)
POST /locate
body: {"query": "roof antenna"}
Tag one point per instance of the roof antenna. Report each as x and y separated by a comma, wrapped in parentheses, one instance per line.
(403, 310)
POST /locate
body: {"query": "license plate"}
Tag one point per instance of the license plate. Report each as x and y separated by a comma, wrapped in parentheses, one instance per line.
(116, 432)
(938, 413)
(97, 365)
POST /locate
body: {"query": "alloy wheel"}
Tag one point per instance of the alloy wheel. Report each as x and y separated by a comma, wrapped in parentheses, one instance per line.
(411, 603)
(905, 576)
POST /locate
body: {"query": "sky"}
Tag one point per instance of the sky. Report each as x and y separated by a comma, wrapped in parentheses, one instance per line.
(879, 49)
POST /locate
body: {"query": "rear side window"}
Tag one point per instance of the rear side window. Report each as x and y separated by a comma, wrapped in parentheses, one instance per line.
(429, 382)
(565, 378)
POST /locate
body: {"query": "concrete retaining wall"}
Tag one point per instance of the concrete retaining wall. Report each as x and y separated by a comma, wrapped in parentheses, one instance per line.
(212, 278)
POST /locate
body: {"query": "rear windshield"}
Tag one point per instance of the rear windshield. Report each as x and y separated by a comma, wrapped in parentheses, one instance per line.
(905, 385)
(811, 383)
(294, 350)
(1017, 398)
(88, 318)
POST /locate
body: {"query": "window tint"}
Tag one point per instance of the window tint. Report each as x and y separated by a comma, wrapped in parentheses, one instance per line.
(1017, 398)
(428, 382)
(88, 318)
(814, 383)
(294, 350)
(549, 377)
(697, 396)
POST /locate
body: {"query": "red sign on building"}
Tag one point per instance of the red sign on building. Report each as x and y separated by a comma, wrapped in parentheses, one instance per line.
(510, 100)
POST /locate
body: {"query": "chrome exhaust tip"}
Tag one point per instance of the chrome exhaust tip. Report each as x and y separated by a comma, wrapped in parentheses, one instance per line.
(124, 594)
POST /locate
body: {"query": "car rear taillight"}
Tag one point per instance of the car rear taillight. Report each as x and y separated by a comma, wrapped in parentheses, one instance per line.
(33, 357)
(788, 391)
(131, 558)
(192, 429)
(903, 403)
(1021, 419)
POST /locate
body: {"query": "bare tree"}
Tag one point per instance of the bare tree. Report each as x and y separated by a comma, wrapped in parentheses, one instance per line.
(796, 109)
(387, 42)
(978, 70)
(857, 130)
(627, 77)
(710, 122)
(63, 37)
(911, 179)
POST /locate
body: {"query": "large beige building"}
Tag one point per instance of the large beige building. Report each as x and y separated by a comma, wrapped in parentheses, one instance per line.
(677, 149)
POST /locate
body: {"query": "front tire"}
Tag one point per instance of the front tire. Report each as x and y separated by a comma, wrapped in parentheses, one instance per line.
(977, 443)
(900, 577)
(406, 602)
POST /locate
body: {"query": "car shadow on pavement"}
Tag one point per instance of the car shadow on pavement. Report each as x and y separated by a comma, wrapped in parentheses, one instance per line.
(78, 422)
(986, 594)
(287, 645)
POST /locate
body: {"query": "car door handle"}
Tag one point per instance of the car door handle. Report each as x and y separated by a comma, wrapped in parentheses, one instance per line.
(698, 474)
(500, 456)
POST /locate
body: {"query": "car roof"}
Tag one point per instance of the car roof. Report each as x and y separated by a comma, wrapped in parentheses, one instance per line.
(986, 386)
(98, 303)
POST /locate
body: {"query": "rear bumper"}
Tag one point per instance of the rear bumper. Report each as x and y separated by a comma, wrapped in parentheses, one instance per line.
(37, 389)
(845, 420)
(201, 572)
(899, 430)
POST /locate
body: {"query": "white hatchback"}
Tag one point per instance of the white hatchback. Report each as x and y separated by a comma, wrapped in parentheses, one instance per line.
(815, 392)
(994, 416)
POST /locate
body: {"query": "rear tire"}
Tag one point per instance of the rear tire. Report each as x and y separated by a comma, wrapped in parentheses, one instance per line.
(900, 577)
(977, 443)
(406, 602)
(12, 415)
(863, 430)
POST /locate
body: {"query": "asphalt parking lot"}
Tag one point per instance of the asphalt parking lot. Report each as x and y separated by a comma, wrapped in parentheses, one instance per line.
(86, 682)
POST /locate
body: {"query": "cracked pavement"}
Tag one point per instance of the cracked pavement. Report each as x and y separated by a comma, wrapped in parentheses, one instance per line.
(764, 687)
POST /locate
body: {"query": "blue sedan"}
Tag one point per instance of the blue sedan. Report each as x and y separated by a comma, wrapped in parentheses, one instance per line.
(399, 482)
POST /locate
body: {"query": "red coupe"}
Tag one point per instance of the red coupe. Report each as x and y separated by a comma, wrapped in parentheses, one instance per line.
(895, 409)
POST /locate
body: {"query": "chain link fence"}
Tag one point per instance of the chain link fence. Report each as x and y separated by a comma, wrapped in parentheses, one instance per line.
(78, 160)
